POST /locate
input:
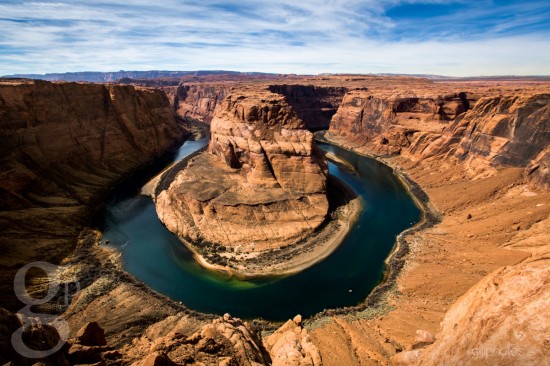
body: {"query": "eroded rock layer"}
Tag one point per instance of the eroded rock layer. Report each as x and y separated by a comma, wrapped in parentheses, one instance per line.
(63, 146)
(505, 131)
(262, 184)
(196, 101)
(315, 105)
(482, 134)
(387, 123)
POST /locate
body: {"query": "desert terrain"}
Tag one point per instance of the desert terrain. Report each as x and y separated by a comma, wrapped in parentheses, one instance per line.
(468, 285)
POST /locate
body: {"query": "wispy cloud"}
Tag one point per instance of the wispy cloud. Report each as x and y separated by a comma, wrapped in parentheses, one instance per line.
(410, 36)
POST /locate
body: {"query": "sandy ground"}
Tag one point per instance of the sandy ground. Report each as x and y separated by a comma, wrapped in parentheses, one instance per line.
(481, 219)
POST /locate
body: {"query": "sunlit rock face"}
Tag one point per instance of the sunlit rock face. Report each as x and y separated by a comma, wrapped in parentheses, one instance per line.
(507, 131)
(388, 124)
(261, 185)
(482, 134)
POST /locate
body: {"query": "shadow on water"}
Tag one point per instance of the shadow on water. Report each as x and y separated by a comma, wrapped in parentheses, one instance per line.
(155, 256)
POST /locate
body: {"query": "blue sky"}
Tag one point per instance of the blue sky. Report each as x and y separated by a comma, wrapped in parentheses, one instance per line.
(452, 37)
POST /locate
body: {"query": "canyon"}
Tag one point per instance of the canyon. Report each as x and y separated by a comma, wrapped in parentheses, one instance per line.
(258, 196)
(473, 278)
(64, 146)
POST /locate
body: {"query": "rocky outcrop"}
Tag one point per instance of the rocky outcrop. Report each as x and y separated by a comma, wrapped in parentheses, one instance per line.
(63, 146)
(315, 105)
(90, 347)
(225, 341)
(539, 170)
(291, 345)
(261, 135)
(501, 320)
(91, 334)
(197, 101)
(261, 186)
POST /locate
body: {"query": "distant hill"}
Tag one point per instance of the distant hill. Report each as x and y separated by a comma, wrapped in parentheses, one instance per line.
(165, 77)
(435, 77)
(106, 77)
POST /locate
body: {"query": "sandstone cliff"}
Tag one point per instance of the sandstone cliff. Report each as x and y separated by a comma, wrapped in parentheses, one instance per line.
(196, 101)
(315, 105)
(262, 135)
(505, 131)
(63, 146)
(261, 186)
(482, 135)
(386, 124)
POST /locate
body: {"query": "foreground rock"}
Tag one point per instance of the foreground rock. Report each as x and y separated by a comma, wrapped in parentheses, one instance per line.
(260, 187)
(225, 341)
(503, 319)
(291, 345)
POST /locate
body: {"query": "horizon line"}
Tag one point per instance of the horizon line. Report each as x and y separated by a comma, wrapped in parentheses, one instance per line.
(222, 71)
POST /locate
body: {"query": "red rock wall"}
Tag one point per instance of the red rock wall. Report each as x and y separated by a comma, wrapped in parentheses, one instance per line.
(385, 124)
(483, 135)
(196, 101)
(505, 131)
(73, 141)
(262, 135)
(63, 147)
(315, 105)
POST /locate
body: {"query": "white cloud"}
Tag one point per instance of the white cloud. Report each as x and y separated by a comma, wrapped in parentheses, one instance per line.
(286, 36)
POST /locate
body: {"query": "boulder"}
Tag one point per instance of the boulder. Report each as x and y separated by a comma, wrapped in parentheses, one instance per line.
(91, 334)
(156, 359)
(291, 345)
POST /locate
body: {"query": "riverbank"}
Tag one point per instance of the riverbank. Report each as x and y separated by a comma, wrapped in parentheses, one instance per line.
(396, 259)
(474, 224)
(345, 209)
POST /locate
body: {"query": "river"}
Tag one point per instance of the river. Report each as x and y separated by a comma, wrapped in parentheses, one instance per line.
(155, 256)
